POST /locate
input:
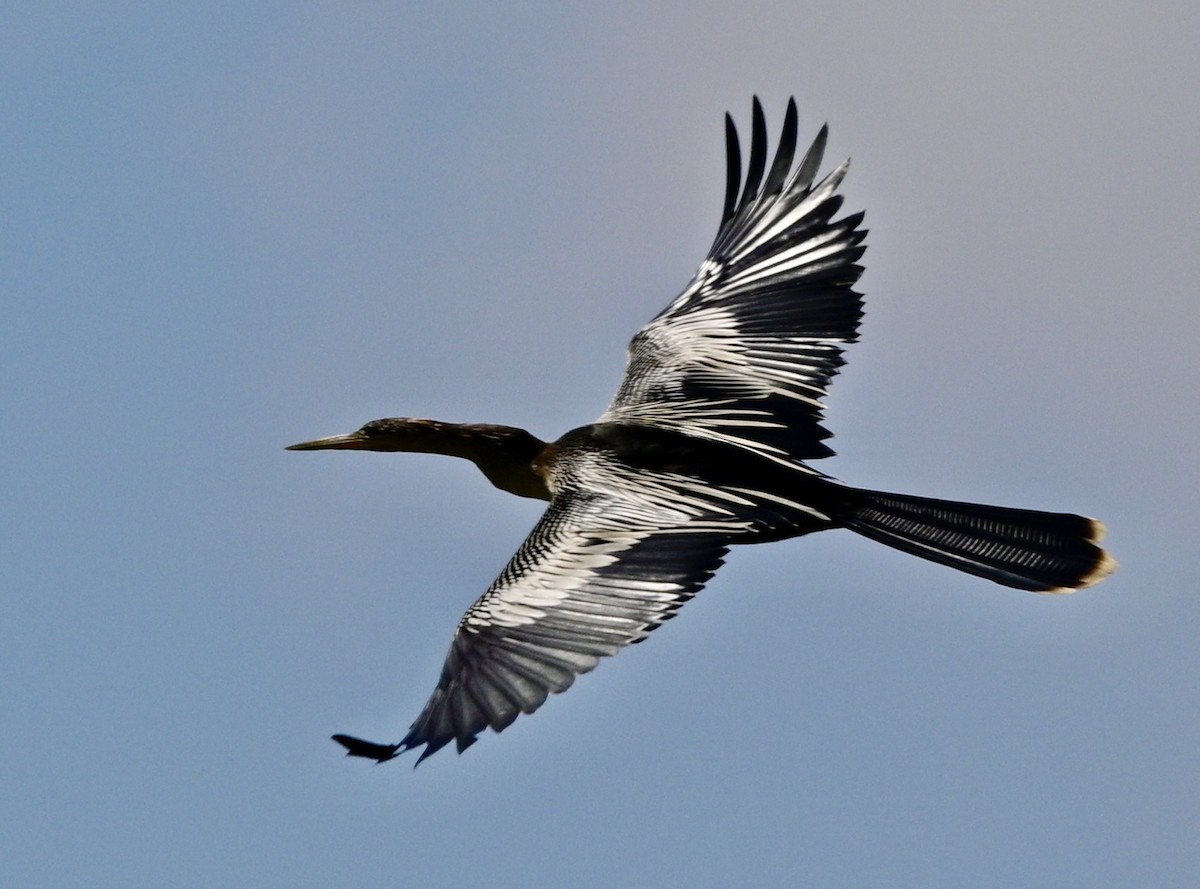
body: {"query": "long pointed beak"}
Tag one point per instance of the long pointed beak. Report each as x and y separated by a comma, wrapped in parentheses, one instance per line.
(350, 441)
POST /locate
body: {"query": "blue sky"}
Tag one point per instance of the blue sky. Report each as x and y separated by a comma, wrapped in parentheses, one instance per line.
(225, 230)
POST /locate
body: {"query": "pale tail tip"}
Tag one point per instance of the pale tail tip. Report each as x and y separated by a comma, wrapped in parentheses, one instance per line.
(1105, 565)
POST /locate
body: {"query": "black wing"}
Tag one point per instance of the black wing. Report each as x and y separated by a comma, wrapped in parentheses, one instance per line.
(367, 749)
(615, 555)
(746, 352)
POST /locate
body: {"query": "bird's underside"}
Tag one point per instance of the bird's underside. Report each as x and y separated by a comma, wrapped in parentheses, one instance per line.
(703, 447)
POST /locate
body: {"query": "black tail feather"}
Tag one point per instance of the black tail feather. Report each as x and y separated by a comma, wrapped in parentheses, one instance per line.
(1040, 551)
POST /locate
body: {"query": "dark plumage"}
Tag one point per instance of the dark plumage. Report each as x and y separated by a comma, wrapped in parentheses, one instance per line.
(702, 448)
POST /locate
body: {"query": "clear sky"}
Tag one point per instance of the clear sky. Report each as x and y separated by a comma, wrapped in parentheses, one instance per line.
(228, 227)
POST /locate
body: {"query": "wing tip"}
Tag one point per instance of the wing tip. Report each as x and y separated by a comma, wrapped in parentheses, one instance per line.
(368, 749)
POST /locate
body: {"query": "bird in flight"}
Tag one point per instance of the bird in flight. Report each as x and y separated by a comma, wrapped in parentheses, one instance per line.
(705, 445)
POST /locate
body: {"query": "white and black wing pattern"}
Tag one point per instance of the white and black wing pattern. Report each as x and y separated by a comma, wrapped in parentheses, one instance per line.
(604, 567)
(746, 352)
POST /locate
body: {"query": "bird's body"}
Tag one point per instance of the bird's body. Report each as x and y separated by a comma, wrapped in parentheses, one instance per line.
(704, 447)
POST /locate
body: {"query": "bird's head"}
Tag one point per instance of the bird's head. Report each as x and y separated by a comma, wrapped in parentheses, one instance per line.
(390, 434)
(505, 454)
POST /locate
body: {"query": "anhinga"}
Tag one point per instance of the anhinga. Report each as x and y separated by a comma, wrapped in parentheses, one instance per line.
(704, 446)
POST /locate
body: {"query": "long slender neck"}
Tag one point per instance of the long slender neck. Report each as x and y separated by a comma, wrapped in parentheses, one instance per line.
(504, 454)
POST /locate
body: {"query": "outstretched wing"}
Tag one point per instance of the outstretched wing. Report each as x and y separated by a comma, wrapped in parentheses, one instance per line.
(605, 565)
(746, 352)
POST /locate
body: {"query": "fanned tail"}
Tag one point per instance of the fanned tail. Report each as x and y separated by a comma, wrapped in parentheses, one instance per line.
(1045, 552)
